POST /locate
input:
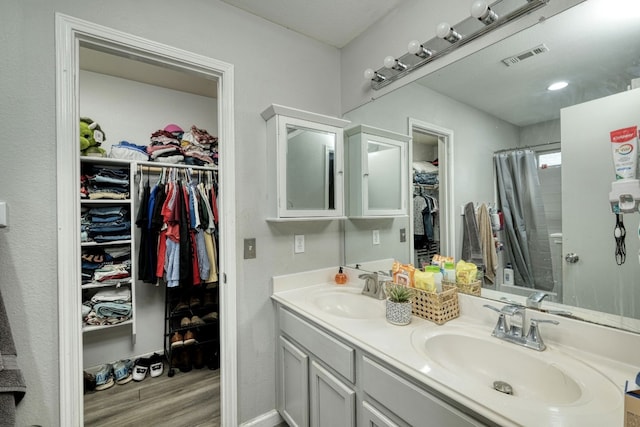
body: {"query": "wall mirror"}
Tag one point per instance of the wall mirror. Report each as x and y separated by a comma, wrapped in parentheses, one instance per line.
(306, 151)
(376, 172)
(310, 178)
(495, 101)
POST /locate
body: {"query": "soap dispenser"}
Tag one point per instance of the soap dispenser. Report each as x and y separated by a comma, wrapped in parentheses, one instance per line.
(340, 278)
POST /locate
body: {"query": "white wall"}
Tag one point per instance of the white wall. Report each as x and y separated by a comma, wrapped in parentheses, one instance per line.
(28, 249)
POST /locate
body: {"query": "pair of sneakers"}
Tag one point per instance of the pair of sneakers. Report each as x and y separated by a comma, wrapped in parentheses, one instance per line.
(107, 375)
(152, 365)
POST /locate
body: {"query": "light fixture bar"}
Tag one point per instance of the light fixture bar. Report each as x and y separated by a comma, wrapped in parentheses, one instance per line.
(469, 30)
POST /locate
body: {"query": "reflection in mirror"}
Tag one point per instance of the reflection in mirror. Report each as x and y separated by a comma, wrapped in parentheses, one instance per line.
(310, 169)
(384, 175)
(505, 108)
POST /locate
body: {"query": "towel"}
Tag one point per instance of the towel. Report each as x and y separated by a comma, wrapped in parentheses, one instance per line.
(489, 255)
(12, 384)
(471, 249)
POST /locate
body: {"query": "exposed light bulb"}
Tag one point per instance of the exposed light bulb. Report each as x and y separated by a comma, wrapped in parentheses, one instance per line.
(369, 74)
(446, 32)
(393, 64)
(419, 50)
(481, 11)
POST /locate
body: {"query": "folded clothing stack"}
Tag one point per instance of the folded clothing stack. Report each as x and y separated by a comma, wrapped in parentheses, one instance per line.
(108, 307)
(108, 265)
(104, 182)
(105, 224)
(129, 151)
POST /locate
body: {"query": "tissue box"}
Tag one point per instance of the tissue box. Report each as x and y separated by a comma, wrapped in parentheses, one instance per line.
(631, 406)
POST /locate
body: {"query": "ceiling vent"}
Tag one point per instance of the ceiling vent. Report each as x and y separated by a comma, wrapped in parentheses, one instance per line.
(530, 53)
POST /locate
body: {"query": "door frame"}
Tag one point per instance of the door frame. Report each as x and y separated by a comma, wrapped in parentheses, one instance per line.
(70, 32)
(445, 167)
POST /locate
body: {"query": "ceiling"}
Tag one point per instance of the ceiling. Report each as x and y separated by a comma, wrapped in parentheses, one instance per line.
(334, 22)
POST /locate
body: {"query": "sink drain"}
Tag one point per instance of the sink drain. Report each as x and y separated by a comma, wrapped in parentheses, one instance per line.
(502, 387)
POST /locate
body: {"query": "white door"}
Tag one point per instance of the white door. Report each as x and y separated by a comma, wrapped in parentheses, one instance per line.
(595, 281)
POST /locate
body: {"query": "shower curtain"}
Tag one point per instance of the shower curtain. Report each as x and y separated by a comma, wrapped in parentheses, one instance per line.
(526, 235)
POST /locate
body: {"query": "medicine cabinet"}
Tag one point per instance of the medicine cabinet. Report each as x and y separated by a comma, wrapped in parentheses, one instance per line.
(305, 164)
(377, 172)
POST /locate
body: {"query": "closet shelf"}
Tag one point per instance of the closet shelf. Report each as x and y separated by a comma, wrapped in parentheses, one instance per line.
(91, 328)
(94, 285)
(104, 201)
(111, 243)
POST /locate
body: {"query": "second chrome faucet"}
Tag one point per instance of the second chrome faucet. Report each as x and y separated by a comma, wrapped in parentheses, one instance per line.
(510, 327)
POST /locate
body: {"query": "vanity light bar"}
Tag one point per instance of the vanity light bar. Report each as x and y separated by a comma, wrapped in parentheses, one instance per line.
(502, 12)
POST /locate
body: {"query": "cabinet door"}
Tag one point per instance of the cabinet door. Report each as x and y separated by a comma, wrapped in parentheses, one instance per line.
(293, 384)
(332, 402)
(384, 180)
(377, 172)
(371, 417)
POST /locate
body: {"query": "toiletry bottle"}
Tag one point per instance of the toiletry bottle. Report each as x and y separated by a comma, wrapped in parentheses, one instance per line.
(437, 276)
(508, 275)
(450, 272)
(340, 278)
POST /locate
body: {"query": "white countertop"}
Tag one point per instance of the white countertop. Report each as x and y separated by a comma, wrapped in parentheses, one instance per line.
(607, 351)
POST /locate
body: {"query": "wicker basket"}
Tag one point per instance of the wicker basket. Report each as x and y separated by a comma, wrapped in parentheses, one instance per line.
(471, 288)
(437, 307)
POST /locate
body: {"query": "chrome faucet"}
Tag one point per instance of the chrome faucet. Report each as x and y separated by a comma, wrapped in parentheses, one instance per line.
(513, 330)
(535, 299)
(373, 285)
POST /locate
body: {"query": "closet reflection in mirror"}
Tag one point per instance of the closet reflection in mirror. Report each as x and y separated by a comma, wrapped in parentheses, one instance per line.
(310, 169)
(509, 108)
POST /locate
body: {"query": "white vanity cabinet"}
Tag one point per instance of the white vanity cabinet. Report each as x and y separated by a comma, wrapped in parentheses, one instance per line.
(322, 380)
(315, 375)
(404, 401)
(305, 160)
(376, 172)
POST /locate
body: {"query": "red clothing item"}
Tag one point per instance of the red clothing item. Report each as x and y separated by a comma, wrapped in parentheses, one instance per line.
(162, 253)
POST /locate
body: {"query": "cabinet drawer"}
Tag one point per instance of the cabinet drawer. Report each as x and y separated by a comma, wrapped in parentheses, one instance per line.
(412, 404)
(331, 351)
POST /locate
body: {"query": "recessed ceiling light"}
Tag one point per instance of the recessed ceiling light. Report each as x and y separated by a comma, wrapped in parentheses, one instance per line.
(558, 85)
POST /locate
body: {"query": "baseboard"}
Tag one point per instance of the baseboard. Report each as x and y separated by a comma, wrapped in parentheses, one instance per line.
(268, 419)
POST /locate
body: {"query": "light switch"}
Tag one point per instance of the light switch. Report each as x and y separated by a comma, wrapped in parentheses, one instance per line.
(403, 235)
(376, 237)
(298, 243)
(249, 248)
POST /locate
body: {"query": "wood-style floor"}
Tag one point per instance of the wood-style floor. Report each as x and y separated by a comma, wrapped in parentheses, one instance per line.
(188, 399)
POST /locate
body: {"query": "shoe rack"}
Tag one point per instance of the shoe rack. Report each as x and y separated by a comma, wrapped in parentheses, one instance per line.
(192, 331)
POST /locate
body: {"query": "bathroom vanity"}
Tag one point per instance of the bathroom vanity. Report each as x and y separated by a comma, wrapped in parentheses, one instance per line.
(340, 363)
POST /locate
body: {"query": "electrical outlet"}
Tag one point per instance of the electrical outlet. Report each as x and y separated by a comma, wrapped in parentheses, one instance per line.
(298, 243)
(376, 237)
(403, 235)
(249, 248)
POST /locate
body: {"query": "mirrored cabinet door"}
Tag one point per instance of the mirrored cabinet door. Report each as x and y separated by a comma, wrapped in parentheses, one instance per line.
(377, 172)
(306, 165)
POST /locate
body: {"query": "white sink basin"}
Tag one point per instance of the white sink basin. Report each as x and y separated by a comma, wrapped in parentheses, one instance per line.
(484, 362)
(347, 303)
(470, 360)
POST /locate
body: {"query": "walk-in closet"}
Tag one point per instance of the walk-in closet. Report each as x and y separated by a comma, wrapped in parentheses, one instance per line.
(150, 228)
(425, 206)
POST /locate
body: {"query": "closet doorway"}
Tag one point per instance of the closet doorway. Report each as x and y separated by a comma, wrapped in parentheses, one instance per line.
(431, 213)
(72, 36)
